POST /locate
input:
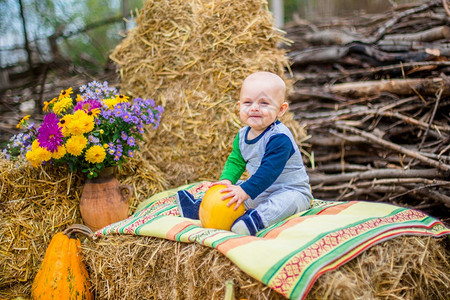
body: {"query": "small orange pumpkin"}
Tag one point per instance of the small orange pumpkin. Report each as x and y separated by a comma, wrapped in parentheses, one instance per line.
(214, 212)
(62, 274)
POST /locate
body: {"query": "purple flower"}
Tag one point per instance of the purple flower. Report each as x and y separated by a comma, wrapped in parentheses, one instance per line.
(106, 113)
(49, 134)
(137, 110)
(118, 112)
(117, 156)
(87, 105)
(124, 136)
(140, 128)
(50, 118)
(134, 120)
(126, 116)
(93, 140)
(131, 141)
(130, 153)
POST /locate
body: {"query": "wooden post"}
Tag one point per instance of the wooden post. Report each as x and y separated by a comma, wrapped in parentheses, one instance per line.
(277, 8)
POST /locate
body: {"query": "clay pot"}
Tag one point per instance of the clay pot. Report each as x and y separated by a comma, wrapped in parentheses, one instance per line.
(104, 200)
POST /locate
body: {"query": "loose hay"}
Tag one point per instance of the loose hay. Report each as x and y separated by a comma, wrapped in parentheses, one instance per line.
(129, 267)
(37, 203)
(34, 204)
(190, 56)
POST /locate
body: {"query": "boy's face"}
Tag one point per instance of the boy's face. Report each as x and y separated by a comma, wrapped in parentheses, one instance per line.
(261, 103)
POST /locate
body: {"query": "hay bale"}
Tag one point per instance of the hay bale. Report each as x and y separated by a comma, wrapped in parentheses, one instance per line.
(191, 57)
(34, 204)
(37, 203)
(130, 267)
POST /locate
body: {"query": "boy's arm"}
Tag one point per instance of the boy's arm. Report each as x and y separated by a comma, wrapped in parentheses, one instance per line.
(235, 164)
(278, 151)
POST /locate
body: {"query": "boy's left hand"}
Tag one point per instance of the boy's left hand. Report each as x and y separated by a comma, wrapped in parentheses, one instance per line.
(237, 194)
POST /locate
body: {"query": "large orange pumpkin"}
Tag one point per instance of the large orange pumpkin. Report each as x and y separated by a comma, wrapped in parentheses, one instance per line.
(214, 212)
(62, 274)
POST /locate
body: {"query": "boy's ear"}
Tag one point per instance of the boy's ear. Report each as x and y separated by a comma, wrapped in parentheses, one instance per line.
(283, 108)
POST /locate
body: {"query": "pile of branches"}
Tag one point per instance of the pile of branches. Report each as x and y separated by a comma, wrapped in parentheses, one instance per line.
(374, 96)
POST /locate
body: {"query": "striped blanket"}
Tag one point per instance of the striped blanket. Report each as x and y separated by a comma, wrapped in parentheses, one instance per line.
(290, 255)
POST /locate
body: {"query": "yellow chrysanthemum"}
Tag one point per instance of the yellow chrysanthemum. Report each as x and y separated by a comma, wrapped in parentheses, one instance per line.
(110, 102)
(59, 153)
(75, 127)
(37, 155)
(80, 123)
(22, 121)
(35, 144)
(95, 154)
(65, 93)
(88, 123)
(76, 144)
(31, 157)
(43, 154)
(79, 114)
(62, 105)
(79, 98)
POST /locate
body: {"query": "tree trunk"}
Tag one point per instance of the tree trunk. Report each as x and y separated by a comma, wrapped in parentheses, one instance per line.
(25, 36)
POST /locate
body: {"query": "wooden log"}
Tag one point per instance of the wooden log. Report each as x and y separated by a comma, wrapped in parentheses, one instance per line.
(383, 57)
(327, 141)
(423, 86)
(430, 35)
(403, 46)
(332, 37)
(396, 68)
(328, 54)
(372, 174)
(372, 138)
(318, 55)
(381, 31)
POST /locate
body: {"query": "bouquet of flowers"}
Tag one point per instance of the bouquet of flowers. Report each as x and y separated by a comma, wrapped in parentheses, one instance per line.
(96, 130)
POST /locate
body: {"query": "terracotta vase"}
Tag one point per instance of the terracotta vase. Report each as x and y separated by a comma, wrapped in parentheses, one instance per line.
(104, 200)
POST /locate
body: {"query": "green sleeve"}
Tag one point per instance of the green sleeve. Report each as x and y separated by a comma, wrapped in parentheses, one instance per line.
(235, 164)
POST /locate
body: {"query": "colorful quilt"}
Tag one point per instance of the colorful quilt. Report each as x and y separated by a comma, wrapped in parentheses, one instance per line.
(290, 255)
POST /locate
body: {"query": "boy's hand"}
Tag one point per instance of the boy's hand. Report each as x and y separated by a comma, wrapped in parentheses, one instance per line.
(237, 194)
(223, 181)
